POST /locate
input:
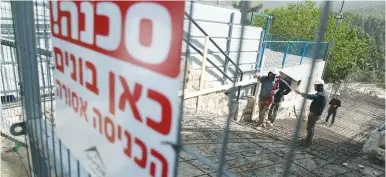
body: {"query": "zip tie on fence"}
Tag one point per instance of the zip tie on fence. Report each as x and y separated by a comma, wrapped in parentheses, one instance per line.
(17, 147)
(173, 145)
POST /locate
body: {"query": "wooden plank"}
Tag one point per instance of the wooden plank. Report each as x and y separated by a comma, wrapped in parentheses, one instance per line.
(203, 71)
(203, 66)
(218, 89)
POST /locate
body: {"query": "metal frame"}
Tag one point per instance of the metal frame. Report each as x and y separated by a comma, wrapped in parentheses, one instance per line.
(231, 23)
(48, 157)
(23, 15)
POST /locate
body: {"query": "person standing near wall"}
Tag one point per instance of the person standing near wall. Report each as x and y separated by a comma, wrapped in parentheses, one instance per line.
(267, 83)
(319, 101)
(278, 97)
(334, 104)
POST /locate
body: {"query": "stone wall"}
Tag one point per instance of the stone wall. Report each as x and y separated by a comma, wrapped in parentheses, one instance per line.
(214, 103)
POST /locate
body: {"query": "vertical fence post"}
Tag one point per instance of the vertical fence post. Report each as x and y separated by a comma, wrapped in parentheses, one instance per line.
(251, 21)
(24, 27)
(203, 71)
(303, 52)
(285, 54)
(264, 41)
(230, 31)
(326, 50)
(259, 51)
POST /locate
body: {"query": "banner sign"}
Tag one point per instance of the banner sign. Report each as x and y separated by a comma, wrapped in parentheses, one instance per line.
(117, 82)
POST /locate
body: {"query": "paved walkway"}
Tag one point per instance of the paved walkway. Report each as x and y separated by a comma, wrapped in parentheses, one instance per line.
(11, 162)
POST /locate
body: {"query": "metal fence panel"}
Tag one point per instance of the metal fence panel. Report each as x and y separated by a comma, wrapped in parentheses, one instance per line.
(210, 144)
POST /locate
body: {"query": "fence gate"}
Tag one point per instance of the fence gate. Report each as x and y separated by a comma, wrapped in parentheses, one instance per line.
(28, 100)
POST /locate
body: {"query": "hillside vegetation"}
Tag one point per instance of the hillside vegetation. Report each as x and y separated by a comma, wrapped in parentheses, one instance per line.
(358, 45)
(374, 12)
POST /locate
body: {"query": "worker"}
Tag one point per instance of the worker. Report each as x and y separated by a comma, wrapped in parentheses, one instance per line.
(267, 83)
(334, 104)
(278, 97)
(319, 101)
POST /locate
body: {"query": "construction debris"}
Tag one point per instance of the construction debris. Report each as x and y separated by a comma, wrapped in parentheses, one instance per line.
(374, 144)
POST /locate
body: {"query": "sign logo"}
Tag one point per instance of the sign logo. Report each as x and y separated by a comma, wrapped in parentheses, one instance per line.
(96, 162)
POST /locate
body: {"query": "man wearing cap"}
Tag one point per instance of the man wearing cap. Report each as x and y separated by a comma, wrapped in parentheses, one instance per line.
(319, 101)
(267, 83)
(334, 104)
(283, 89)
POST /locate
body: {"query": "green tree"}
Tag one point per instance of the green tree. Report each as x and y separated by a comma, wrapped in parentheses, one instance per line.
(351, 50)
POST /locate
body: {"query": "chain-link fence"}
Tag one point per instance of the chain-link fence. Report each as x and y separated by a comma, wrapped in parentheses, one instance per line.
(211, 142)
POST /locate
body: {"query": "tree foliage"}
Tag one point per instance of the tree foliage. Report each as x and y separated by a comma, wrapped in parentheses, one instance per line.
(353, 48)
(373, 26)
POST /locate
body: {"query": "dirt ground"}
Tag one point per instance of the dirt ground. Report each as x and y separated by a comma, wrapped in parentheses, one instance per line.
(336, 150)
(13, 164)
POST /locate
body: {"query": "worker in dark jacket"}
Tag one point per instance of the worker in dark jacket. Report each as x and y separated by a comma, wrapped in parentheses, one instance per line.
(319, 101)
(266, 83)
(334, 104)
(278, 97)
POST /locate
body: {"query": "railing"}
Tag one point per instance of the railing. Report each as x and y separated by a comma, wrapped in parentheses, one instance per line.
(299, 51)
(227, 58)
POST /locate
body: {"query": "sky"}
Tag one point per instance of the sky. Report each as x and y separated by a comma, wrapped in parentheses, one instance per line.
(348, 5)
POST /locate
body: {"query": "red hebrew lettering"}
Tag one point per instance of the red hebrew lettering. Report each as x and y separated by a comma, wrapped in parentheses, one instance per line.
(109, 136)
(124, 31)
(163, 161)
(141, 162)
(83, 109)
(98, 114)
(75, 105)
(55, 16)
(92, 86)
(69, 96)
(131, 98)
(70, 25)
(65, 91)
(164, 125)
(112, 39)
(87, 35)
(80, 71)
(112, 92)
(59, 89)
(73, 73)
(127, 150)
(119, 132)
(59, 59)
(145, 33)
(66, 57)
